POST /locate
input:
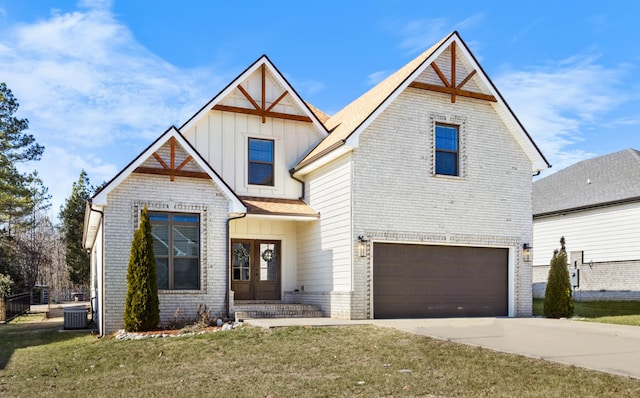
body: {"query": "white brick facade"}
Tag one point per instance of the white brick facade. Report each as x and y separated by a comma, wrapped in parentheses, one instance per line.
(187, 195)
(397, 197)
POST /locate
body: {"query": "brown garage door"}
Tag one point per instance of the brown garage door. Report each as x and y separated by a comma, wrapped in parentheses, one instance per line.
(414, 281)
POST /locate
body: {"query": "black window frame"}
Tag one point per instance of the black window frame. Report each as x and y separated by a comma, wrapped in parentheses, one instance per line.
(440, 150)
(252, 180)
(171, 256)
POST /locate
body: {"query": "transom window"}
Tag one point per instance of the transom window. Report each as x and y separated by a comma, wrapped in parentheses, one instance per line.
(176, 246)
(447, 150)
(260, 162)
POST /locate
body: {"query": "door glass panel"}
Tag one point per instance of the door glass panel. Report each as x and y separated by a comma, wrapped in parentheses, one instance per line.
(268, 264)
(241, 260)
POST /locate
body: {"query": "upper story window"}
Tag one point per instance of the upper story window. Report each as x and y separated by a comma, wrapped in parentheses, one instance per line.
(260, 162)
(176, 246)
(447, 139)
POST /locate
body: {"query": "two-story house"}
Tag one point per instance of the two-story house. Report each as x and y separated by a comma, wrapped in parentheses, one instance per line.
(412, 201)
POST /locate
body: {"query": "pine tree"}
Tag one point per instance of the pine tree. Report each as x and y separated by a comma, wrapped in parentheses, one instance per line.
(142, 307)
(72, 216)
(16, 146)
(558, 302)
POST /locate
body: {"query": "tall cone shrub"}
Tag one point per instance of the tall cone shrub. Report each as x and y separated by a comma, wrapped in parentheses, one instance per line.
(142, 307)
(558, 302)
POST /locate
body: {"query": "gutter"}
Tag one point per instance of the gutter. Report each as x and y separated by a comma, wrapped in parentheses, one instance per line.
(229, 259)
(587, 207)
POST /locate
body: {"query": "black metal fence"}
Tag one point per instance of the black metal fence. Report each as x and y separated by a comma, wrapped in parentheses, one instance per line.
(14, 305)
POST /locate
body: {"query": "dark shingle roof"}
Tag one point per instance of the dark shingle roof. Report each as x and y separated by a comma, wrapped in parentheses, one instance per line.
(590, 183)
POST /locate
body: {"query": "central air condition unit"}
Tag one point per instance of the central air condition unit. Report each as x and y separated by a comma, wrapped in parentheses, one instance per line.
(75, 318)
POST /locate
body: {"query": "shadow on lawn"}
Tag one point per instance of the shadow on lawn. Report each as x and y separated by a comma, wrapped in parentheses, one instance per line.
(16, 335)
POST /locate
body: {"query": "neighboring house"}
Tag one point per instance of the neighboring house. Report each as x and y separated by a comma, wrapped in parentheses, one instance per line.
(595, 205)
(412, 201)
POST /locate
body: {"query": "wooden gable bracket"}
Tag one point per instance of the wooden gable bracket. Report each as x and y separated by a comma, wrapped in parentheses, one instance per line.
(451, 87)
(262, 110)
(171, 170)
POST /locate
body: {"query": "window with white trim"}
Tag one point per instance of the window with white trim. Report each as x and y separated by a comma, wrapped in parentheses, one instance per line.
(261, 162)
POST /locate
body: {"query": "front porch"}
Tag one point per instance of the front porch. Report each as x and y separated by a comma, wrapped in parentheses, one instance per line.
(250, 309)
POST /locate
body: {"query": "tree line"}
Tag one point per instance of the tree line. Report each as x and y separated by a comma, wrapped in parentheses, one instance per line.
(34, 248)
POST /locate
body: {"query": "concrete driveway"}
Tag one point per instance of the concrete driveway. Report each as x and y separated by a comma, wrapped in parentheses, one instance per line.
(607, 348)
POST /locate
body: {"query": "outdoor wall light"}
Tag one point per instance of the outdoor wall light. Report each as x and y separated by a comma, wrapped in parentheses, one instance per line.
(362, 246)
(526, 252)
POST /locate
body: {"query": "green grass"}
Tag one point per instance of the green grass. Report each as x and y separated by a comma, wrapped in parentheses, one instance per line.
(618, 312)
(37, 360)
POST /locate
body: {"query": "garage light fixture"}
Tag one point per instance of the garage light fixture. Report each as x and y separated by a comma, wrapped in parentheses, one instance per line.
(362, 246)
(526, 252)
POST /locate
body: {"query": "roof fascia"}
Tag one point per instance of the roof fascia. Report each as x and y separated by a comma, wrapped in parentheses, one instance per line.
(587, 207)
(354, 138)
(538, 160)
(322, 160)
(235, 204)
(263, 60)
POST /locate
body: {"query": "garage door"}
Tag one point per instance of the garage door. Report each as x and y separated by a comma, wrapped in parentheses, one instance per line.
(414, 281)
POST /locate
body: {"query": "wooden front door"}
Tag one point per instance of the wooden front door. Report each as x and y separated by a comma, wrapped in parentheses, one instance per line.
(255, 266)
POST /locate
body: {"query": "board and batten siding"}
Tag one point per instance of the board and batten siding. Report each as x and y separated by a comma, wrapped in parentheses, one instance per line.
(324, 246)
(604, 234)
(222, 139)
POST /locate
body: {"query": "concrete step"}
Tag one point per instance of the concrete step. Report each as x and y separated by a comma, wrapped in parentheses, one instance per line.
(277, 310)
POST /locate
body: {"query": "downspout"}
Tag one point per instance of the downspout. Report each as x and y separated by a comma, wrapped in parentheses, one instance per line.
(229, 259)
(301, 182)
(93, 315)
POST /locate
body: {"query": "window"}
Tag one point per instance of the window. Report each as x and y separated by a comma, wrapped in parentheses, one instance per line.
(176, 246)
(260, 162)
(446, 150)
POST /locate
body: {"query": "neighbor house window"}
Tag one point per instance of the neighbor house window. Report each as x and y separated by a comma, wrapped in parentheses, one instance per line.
(176, 246)
(447, 150)
(260, 162)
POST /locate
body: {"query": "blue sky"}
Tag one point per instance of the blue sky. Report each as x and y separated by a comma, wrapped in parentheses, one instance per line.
(100, 80)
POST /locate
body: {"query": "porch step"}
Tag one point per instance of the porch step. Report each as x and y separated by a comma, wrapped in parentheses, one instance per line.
(277, 310)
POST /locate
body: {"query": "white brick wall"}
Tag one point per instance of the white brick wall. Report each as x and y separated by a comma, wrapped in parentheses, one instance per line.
(612, 280)
(188, 195)
(396, 196)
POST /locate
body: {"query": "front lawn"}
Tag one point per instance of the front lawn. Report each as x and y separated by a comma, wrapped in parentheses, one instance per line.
(37, 360)
(618, 312)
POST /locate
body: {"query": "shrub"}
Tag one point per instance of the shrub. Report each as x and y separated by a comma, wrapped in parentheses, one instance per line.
(558, 302)
(5, 285)
(142, 307)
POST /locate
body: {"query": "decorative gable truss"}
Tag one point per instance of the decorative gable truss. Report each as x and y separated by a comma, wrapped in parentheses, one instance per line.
(443, 78)
(262, 91)
(260, 101)
(168, 157)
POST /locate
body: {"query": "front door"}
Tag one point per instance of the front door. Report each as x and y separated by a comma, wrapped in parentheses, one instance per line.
(255, 266)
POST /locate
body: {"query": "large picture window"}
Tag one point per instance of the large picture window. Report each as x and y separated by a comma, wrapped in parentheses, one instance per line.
(260, 162)
(447, 150)
(176, 246)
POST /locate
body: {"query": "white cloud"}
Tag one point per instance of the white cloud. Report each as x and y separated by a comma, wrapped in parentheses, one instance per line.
(376, 77)
(420, 34)
(558, 102)
(86, 84)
